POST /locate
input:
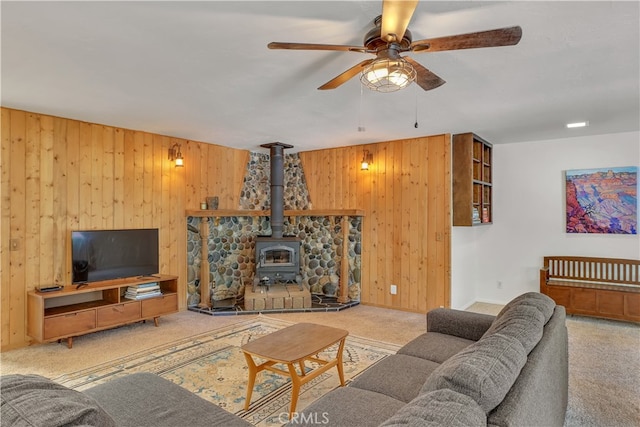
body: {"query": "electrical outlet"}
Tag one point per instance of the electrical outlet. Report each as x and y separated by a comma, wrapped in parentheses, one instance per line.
(499, 284)
(393, 290)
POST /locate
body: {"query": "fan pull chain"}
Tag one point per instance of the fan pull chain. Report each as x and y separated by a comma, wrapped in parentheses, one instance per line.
(416, 123)
(360, 127)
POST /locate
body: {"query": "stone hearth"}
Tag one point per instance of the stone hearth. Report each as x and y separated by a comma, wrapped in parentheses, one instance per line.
(276, 297)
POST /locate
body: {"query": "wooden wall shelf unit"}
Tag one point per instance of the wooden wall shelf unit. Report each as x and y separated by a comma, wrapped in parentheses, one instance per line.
(99, 305)
(472, 180)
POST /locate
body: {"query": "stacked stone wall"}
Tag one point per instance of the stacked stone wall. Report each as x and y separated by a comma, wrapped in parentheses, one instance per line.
(256, 187)
(231, 254)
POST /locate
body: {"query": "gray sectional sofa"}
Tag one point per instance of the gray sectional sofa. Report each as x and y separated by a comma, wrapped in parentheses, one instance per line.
(468, 369)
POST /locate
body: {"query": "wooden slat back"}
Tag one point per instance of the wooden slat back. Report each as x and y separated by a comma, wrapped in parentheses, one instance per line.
(605, 270)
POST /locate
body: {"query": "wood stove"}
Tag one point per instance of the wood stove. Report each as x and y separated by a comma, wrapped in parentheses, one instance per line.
(277, 261)
(277, 257)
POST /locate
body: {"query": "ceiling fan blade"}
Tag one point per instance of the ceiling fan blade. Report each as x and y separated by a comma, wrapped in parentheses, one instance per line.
(424, 78)
(312, 46)
(490, 38)
(347, 75)
(396, 15)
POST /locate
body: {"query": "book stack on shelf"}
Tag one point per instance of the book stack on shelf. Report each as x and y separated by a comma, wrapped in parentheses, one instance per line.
(145, 290)
(476, 216)
(485, 215)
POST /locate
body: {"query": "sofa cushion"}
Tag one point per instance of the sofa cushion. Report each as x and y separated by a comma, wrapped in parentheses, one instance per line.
(523, 322)
(33, 400)
(535, 299)
(145, 399)
(438, 408)
(458, 323)
(484, 371)
(398, 376)
(435, 346)
(348, 406)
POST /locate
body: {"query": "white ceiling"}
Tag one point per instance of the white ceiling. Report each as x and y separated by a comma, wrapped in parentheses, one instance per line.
(202, 70)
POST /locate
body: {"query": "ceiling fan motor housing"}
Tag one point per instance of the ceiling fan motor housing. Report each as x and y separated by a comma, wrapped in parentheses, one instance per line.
(373, 39)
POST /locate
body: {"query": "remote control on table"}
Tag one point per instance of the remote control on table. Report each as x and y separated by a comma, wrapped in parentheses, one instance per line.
(50, 288)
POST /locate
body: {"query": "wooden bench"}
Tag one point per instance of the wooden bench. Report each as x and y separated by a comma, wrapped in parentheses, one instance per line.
(599, 287)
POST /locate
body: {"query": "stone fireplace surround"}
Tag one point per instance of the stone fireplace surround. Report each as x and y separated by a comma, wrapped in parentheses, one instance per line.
(231, 241)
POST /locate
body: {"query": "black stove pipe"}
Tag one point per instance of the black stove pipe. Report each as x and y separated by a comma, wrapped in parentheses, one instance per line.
(277, 186)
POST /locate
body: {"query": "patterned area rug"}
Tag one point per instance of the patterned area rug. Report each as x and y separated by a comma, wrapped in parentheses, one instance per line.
(212, 366)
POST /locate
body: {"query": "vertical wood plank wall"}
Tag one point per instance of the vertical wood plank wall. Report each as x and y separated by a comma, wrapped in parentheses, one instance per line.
(60, 175)
(406, 198)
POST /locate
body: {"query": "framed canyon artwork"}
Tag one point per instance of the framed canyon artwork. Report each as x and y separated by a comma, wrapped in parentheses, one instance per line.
(602, 201)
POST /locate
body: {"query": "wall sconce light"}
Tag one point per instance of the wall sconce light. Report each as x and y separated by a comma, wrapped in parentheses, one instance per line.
(367, 159)
(176, 155)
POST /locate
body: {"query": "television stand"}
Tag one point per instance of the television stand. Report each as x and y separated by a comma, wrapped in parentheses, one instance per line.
(74, 311)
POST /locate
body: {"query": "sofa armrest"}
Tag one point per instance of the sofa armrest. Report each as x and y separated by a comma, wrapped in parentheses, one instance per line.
(463, 324)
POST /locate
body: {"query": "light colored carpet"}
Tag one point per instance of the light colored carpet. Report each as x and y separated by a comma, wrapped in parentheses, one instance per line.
(604, 356)
(55, 359)
(604, 373)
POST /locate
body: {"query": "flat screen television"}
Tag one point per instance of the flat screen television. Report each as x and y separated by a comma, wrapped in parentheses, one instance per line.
(113, 254)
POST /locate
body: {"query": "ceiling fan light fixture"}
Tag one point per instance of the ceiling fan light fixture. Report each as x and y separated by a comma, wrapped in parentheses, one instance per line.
(388, 75)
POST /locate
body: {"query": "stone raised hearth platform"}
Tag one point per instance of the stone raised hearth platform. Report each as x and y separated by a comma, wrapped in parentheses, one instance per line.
(319, 303)
(276, 297)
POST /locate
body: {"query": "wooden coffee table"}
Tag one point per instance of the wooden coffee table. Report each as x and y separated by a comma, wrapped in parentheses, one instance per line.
(291, 346)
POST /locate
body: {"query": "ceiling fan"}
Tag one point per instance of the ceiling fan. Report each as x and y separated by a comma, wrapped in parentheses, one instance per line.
(389, 71)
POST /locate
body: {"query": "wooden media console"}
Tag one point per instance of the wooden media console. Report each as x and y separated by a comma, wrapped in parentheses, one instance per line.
(600, 287)
(78, 310)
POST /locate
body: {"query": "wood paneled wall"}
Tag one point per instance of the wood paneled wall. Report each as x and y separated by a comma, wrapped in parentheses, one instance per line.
(406, 197)
(60, 175)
